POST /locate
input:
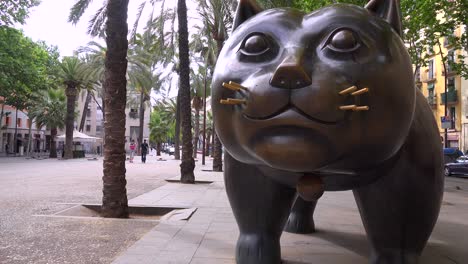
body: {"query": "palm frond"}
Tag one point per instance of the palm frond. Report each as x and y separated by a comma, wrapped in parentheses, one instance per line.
(78, 10)
(97, 23)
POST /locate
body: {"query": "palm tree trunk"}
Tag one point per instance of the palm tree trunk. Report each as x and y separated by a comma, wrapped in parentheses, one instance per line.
(188, 163)
(114, 199)
(197, 132)
(142, 119)
(217, 146)
(207, 145)
(1, 127)
(28, 149)
(15, 149)
(158, 149)
(213, 135)
(85, 110)
(217, 154)
(177, 132)
(71, 93)
(53, 145)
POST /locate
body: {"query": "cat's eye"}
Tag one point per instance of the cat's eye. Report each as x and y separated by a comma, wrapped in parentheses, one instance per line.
(255, 45)
(343, 41)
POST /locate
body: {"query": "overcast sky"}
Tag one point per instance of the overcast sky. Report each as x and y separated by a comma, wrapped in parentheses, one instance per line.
(49, 22)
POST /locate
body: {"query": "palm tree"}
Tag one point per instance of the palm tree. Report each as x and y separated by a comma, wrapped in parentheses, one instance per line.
(74, 76)
(199, 85)
(95, 54)
(188, 163)
(50, 111)
(160, 129)
(114, 200)
(141, 72)
(218, 18)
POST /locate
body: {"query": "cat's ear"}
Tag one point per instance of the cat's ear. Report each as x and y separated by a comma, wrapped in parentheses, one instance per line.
(245, 10)
(388, 10)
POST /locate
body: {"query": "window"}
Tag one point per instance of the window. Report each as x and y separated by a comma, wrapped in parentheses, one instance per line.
(417, 77)
(88, 112)
(7, 120)
(429, 50)
(453, 116)
(98, 128)
(18, 122)
(451, 83)
(450, 60)
(29, 123)
(133, 113)
(431, 73)
(430, 90)
(88, 125)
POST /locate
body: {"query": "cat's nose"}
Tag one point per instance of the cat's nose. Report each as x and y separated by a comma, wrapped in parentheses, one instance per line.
(290, 74)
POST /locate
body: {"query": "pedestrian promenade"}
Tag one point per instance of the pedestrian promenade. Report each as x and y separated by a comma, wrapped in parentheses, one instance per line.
(209, 236)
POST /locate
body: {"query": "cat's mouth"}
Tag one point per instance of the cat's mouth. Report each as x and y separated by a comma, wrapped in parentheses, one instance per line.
(294, 110)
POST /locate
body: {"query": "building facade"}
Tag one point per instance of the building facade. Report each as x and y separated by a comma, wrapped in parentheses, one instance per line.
(448, 108)
(17, 122)
(94, 122)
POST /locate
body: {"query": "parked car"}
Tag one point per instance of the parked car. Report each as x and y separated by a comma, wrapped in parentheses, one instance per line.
(451, 155)
(460, 166)
(171, 151)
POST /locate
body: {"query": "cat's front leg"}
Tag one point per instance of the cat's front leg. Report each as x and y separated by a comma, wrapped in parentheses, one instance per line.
(301, 218)
(261, 207)
(400, 209)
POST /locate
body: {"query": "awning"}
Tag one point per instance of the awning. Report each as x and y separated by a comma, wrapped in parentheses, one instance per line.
(79, 137)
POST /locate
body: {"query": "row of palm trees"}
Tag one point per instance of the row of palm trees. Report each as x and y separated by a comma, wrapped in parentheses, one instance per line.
(136, 61)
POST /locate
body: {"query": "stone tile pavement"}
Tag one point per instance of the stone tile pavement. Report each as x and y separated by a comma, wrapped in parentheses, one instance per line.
(209, 236)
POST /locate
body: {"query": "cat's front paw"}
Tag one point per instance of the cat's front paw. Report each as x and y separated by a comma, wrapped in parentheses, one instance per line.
(300, 224)
(394, 256)
(258, 249)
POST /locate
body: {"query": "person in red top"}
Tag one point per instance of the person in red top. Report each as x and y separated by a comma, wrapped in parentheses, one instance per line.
(132, 150)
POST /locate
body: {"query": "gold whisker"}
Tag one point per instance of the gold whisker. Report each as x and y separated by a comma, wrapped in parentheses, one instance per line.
(238, 85)
(231, 87)
(234, 86)
(361, 108)
(364, 90)
(348, 90)
(232, 101)
(347, 107)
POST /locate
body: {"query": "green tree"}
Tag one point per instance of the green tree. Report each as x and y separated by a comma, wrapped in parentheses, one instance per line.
(15, 11)
(74, 74)
(142, 76)
(50, 111)
(25, 69)
(160, 129)
(218, 19)
(114, 199)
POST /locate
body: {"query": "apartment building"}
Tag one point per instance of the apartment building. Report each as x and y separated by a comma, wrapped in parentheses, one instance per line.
(17, 122)
(464, 109)
(431, 81)
(94, 122)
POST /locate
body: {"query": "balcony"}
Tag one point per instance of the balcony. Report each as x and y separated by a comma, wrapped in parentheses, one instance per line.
(432, 100)
(133, 114)
(427, 77)
(452, 97)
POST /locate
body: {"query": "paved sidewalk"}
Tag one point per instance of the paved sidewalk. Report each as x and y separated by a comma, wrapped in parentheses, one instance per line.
(209, 236)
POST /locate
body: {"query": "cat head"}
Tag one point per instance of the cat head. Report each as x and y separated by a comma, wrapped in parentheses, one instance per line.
(302, 92)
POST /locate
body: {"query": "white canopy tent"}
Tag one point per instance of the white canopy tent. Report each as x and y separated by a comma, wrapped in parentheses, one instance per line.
(79, 137)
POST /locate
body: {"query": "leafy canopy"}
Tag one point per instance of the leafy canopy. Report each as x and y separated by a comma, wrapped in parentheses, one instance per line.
(15, 11)
(25, 67)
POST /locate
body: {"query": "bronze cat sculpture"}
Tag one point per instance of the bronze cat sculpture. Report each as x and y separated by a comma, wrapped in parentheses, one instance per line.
(307, 103)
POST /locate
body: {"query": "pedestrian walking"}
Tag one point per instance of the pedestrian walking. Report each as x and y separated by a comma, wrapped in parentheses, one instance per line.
(7, 147)
(144, 151)
(132, 150)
